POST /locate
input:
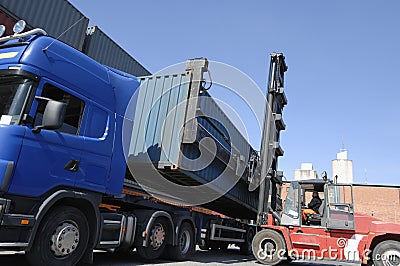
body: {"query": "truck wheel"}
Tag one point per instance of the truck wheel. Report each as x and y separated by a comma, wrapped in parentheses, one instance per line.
(245, 248)
(269, 247)
(61, 239)
(186, 244)
(386, 253)
(157, 240)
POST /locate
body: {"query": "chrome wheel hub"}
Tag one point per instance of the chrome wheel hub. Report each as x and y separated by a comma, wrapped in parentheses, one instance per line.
(65, 239)
(391, 258)
(157, 236)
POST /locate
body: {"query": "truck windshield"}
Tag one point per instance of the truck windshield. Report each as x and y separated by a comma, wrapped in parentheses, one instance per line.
(13, 92)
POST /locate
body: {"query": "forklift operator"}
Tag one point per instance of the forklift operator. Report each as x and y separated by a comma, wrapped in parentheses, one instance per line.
(313, 206)
(315, 203)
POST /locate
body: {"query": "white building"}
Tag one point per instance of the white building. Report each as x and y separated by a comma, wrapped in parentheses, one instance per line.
(342, 168)
(306, 172)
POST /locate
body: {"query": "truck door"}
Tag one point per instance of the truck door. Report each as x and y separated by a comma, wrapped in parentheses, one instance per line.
(97, 149)
(340, 207)
(50, 158)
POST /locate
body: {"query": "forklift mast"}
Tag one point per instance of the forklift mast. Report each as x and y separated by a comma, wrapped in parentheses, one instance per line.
(270, 178)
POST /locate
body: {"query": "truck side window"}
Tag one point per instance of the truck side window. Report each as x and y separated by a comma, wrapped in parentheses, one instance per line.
(74, 112)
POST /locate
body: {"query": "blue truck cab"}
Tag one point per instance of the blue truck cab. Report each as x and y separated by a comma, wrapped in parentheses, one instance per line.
(61, 116)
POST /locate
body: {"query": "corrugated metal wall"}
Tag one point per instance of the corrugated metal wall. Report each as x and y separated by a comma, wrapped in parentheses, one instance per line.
(159, 97)
(54, 16)
(103, 49)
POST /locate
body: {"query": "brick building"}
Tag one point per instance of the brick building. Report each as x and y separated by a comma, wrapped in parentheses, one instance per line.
(382, 202)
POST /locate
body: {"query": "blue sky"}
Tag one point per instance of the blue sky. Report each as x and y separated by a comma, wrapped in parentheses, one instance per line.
(343, 56)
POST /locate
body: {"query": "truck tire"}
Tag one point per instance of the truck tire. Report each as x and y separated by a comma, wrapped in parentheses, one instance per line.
(157, 240)
(61, 239)
(186, 244)
(269, 247)
(386, 253)
(246, 248)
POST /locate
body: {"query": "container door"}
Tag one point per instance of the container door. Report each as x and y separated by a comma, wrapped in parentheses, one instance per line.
(50, 158)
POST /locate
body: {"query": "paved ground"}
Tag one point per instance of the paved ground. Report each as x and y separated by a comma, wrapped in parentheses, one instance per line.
(229, 257)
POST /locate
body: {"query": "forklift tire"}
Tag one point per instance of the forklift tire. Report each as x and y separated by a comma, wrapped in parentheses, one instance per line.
(159, 234)
(61, 239)
(386, 253)
(186, 244)
(269, 247)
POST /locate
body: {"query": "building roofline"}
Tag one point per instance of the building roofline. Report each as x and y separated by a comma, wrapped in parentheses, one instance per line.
(358, 184)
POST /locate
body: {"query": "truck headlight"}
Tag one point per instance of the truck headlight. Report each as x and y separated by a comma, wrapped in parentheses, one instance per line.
(19, 26)
(2, 30)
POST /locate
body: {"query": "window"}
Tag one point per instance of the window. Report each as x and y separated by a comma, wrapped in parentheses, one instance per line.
(291, 207)
(340, 197)
(13, 94)
(73, 114)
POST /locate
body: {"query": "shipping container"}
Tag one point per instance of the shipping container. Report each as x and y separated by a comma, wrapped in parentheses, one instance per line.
(103, 49)
(59, 18)
(161, 125)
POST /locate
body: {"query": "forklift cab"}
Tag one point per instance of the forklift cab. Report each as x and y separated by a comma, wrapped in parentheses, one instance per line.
(335, 212)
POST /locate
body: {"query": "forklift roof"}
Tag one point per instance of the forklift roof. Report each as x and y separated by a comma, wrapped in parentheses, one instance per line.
(313, 184)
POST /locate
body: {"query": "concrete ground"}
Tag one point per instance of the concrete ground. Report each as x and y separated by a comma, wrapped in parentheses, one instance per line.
(230, 257)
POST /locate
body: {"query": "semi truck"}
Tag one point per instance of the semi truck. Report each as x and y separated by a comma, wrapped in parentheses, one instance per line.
(68, 185)
(74, 133)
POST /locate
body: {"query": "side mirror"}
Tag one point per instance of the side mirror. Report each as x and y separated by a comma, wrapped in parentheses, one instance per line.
(53, 115)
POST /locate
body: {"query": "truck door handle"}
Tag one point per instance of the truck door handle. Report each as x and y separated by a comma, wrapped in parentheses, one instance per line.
(72, 165)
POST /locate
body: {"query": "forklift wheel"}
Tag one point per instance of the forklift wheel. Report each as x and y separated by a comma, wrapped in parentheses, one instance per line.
(386, 253)
(269, 247)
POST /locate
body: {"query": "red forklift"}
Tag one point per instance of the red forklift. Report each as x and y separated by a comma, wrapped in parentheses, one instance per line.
(335, 231)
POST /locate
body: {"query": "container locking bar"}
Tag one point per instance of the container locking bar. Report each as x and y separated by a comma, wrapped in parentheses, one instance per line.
(197, 67)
